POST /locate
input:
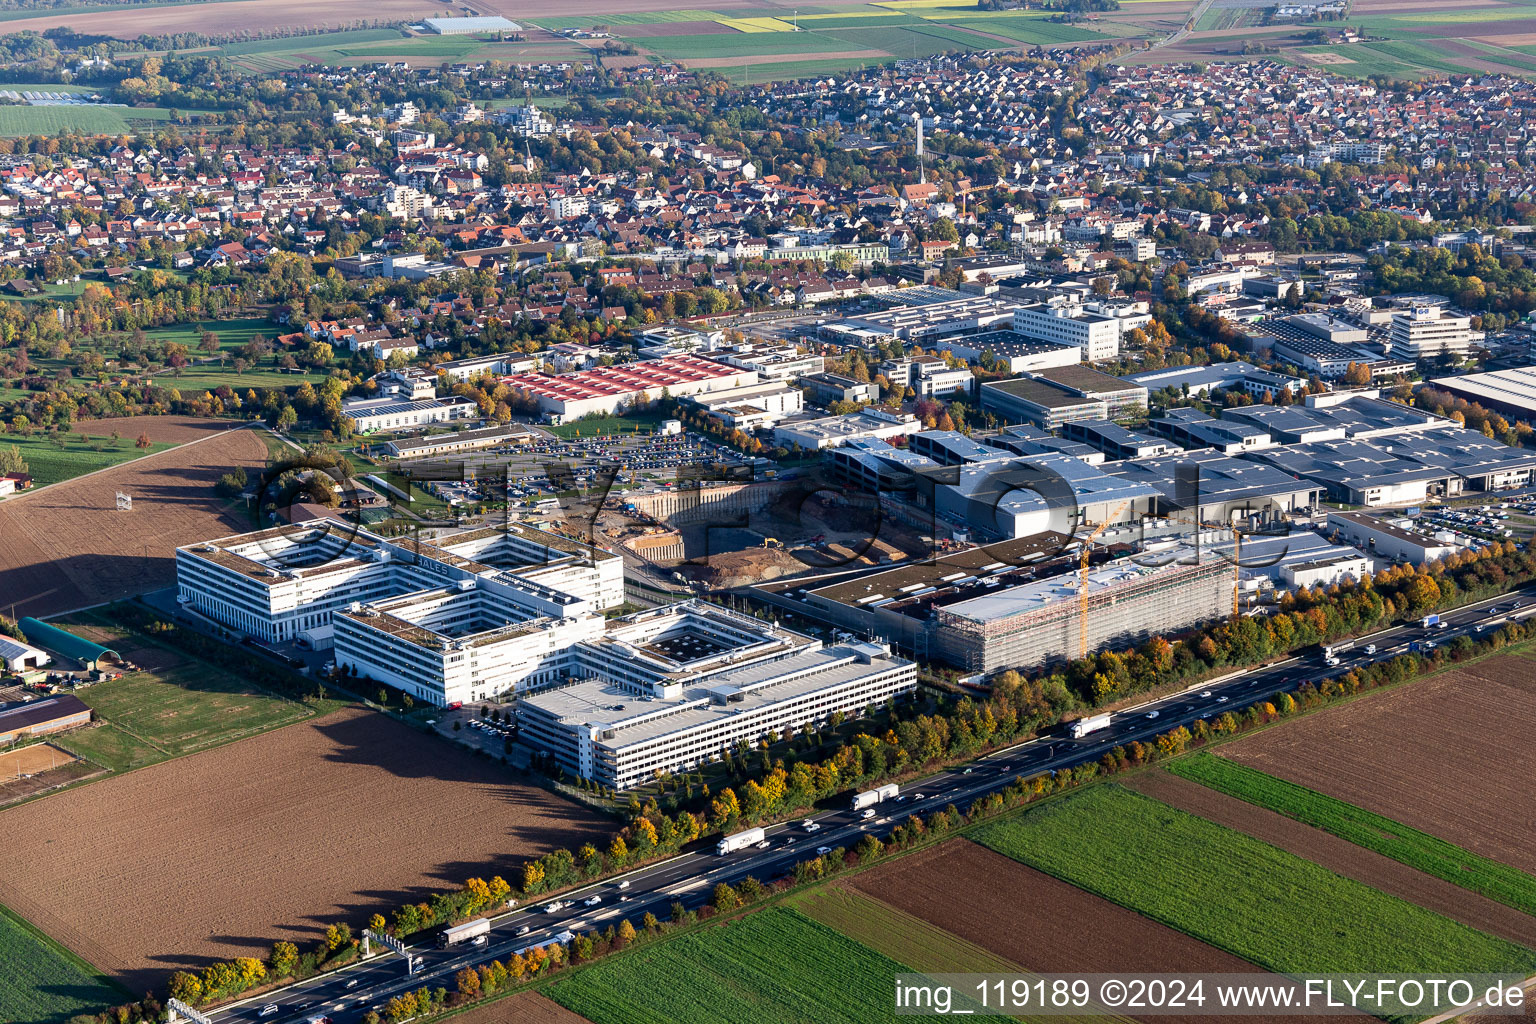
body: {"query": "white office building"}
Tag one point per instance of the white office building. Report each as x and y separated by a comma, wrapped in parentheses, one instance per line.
(392, 413)
(1428, 331)
(674, 687)
(478, 614)
(1096, 334)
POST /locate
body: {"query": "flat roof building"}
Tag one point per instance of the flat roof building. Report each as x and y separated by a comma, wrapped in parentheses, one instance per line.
(1094, 334)
(1390, 471)
(429, 445)
(1425, 332)
(372, 414)
(1065, 394)
(1018, 352)
(1197, 381)
(835, 430)
(669, 689)
(1191, 428)
(608, 389)
(1510, 393)
(1115, 441)
(1045, 621)
(1211, 487)
(470, 26)
(1387, 540)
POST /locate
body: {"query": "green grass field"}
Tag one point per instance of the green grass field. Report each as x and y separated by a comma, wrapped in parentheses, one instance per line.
(1035, 31)
(1389, 838)
(43, 982)
(789, 70)
(300, 44)
(183, 707)
(51, 463)
(1237, 893)
(81, 119)
(772, 967)
(919, 40)
(437, 46)
(189, 708)
(741, 44)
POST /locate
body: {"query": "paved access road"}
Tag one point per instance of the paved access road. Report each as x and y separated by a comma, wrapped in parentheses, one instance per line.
(691, 877)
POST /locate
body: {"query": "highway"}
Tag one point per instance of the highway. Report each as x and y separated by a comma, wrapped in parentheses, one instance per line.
(690, 877)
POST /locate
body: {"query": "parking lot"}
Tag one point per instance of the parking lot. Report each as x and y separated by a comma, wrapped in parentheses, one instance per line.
(576, 463)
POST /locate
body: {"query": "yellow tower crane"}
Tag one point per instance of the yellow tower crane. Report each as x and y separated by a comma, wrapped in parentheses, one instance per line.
(1082, 580)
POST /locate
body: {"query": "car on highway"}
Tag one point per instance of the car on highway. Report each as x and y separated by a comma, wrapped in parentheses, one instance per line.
(813, 827)
(623, 885)
(764, 845)
(352, 983)
(1205, 693)
(478, 940)
(1222, 699)
(1153, 714)
(524, 930)
(790, 841)
(591, 901)
(269, 1010)
(822, 851)
(968, 771)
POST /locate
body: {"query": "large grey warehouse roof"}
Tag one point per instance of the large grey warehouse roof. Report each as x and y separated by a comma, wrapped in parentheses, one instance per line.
(1038, 392)
(633, 719)
(1353, 464)
(1358, 416)
(460, 25)
(1219, 477)
(1501, 389)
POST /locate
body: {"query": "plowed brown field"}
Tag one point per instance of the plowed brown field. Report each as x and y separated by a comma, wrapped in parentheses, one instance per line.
(67, 546)
(1340, 856)
(1448, 756)
(220, 853)
(161, 429)
(1039, 922)
(523, 1008)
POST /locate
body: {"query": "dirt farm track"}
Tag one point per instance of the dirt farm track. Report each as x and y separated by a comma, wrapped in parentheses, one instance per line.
(220, 853)
(67, 546)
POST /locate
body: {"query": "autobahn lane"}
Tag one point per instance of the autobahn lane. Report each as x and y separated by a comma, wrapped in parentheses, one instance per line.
(690, 878)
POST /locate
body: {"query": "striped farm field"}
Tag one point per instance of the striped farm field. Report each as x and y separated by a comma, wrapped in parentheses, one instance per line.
(1390, 838)
(772, 967)
(751, 25)
(1234, 892)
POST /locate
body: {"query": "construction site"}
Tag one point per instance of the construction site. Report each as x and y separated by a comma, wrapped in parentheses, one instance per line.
(1068, 616)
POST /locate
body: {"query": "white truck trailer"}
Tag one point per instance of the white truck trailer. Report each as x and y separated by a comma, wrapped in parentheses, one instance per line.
(1083, 726)
(740, 841)
(461, 933)
(870, 797)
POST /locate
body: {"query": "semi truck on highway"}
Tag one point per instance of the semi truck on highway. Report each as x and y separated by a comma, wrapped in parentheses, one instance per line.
(1083, 726)
(870, 797)
(1429, 620)
(740, 841)
(461, 933)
